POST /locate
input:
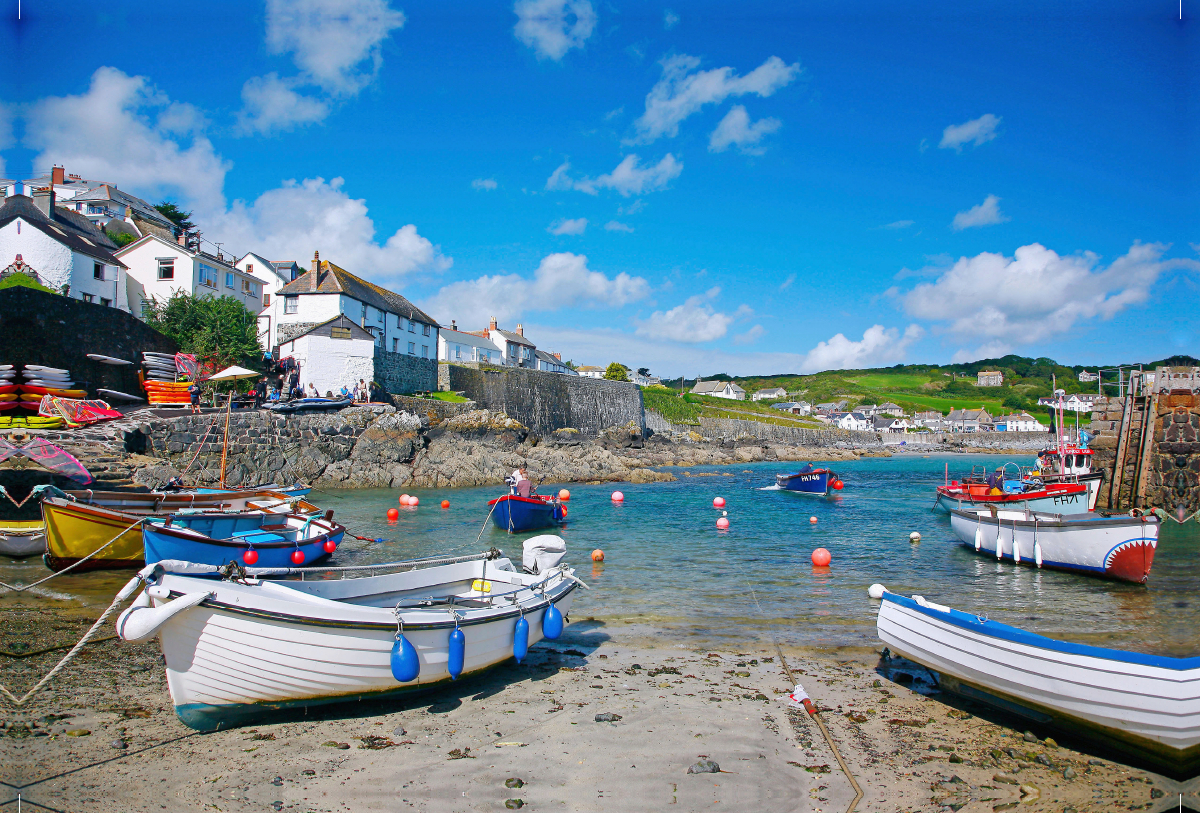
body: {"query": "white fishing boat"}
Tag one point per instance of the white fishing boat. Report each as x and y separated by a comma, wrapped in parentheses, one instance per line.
(237, 648)
(1115, 547)
(1145, 706)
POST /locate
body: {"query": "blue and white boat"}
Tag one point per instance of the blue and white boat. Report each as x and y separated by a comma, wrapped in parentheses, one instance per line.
(252, 538)
(810, 481)
(1145, 706)
(514, 513)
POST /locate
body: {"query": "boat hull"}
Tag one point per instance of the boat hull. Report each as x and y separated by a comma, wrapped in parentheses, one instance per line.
(517, 514)
(210, 540)
(814, 483)
(1120, 548)
(1144, 706)
(21, 539)
(1070, 501)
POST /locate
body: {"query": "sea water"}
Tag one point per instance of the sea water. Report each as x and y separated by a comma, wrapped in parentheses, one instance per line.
(669, 572)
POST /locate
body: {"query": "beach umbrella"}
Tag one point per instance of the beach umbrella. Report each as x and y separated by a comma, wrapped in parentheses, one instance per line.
(233, 373)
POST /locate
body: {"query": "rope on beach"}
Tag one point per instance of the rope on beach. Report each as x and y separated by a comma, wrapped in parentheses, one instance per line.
(23, 587)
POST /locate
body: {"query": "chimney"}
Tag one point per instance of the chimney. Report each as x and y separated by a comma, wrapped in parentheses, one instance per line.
(492, 325)
(182, 239)
(558, 356)
(44, 199)
(453, 325)
(57, 176)
(521, 331)
(316, 271)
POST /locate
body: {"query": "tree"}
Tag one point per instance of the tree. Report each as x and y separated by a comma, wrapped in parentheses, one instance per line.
(644, 372)
(171, 211)
(121, 238)
(216, 329)
(616, 372)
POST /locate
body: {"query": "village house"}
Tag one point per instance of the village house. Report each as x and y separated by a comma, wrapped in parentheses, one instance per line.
(644, 380)
(106, 206)
(969, 420)
(989, 378)
(930, 419)
(1076, 402)
(1085, 376)
(333, 354)
(457, 345)
(273, 275)
(830, 408)
(590, 371)
(888, 408)
(61, 249)
(887, 423)
(1018, 422)
(552, 363)
(853, 421)
(770, 394)
(720, 389)
(794, 407)
(159, 268)
(516, 350)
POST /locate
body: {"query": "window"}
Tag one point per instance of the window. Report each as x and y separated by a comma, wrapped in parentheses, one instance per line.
(106, 302)
(400, 322)
(379, 317)
(98, 270)
(412, 327)
(395, 345)
(208, 276)
(290, 304)
(339, 333)
(412, 348)
(425, 329)
(458, 351)
(266, 300)
(228, 279)
(424, 351)
(93, 209)
(88, 298)
(166, 269)
(246, 289)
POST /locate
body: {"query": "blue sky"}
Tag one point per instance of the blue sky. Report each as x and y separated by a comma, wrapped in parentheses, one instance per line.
(700, 187)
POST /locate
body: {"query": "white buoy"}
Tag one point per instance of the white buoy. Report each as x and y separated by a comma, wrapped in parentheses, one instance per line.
(876, 591)
(724, 513)
(1037, 553)
(978, 538)
(914, 537)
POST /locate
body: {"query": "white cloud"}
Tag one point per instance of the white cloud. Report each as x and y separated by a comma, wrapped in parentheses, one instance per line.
(984, 214)
(899, 224)
(737, 130)
(299, 218)
(271, 104)
(485, 184)
(123, 129)
(979, 131)
(750, 336)
(564, 226)
(990, 350)
(787, 283)
(878, 347)
(1036, 294)
(553, 27)
(628, 178)
(329, 40)
(561, 281)
(692, 322)
(613, 225)
(683, 90)
(639, 204)
(670, 19)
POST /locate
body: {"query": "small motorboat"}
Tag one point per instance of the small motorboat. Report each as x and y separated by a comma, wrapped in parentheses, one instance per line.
(1142, 705)
(1019, 492)
(20, 539)
(1115, 547)
(514, 513)
(241, 647)
(255, 538)
(310, 403)
(810, 481)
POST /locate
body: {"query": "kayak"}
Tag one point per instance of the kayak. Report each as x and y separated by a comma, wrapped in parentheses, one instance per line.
(50, 370)
(120, 396)
(61, 393)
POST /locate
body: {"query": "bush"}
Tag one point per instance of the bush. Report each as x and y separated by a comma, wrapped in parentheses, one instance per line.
(20, 280)
(216, 329)
(617, 372)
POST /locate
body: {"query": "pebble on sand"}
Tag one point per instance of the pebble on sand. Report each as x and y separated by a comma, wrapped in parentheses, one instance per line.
(607, 717)
(705, 766)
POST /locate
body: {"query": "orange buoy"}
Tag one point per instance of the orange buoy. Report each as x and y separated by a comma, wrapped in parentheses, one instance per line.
(837, 485)
(617, 496)
(564, 495)
(445, 503)
(393, 514)
(597, 555)
(723, 523)
(719, 502)
(813, 520)
(821, 557)
(564, 511)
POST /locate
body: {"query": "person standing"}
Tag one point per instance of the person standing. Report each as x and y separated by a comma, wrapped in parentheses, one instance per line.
(194, 395)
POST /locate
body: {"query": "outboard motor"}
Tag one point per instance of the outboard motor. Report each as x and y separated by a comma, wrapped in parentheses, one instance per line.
(541, 553)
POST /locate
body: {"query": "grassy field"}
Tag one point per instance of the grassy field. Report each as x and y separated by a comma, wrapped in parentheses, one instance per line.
(891, 381)
(690, 408)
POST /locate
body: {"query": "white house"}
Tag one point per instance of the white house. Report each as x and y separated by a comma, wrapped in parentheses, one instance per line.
(588, 371)
(854, 421)
(159, 268)
(1073, 402)
(772, 394)
(101, 202)
(644, 380)
(273, 275)
(720, 389)
(794, 407)
(62, 249)
(552, 363)
(969, 420)
(456, 345)
(888, 423)
(989, 378)
(518, 351)
(1018, 422)
(334, 354)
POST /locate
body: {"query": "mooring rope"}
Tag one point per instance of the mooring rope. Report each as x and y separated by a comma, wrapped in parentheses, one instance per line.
(23, 587)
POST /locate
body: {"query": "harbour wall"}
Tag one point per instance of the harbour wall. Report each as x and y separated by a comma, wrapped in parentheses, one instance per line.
(546, 402)
(402, 373)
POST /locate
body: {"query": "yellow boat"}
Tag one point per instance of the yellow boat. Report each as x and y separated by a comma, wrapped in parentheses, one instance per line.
(20, 538)
(76, 528)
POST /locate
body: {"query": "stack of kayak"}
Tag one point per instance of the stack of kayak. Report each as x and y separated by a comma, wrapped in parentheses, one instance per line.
(38, 380)
(30, 422)
(159, 366)
(9, 392)
(165, 393)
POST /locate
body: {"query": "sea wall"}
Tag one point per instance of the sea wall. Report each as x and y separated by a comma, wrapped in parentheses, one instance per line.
(545, 402)
(402, 373)
(41, 328)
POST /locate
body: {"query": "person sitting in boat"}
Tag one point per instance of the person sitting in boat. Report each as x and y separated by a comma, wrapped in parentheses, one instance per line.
(520, 482)
(995, 480)
(806, 468)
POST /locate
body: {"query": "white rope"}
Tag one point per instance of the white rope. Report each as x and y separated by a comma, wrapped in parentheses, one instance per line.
(182, 567)
(23, 587)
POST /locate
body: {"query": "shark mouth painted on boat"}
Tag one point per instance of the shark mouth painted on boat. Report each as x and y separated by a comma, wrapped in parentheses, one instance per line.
(1131, 560)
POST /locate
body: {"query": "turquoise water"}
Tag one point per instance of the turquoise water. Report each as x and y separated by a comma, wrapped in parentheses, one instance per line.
(671, 572)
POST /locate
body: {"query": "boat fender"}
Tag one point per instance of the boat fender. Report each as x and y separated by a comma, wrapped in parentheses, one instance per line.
(521, 639)
(457, 653)
(141, 622)
(999, 544)
(876, 591)
(1037, 553)
(405, 663)
(978, 538)
(1016, 547)
(552, 623)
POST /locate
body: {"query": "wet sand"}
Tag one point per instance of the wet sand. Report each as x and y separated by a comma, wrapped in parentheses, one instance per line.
(104, 737)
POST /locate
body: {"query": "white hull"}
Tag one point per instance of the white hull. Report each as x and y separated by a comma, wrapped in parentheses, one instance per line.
(1117, 548)
(257, 647)
(1145, 705)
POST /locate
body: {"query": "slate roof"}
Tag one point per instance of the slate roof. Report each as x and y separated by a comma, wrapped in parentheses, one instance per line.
(714, 386)
(342, 321)
(515, 338)
(472, 339)
(544, 356)
(335, 280)
(71, 229)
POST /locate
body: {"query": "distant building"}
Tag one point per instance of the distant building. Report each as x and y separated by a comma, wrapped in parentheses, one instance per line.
(1018, 422)
(1085, 376)
(853, 421)
(273, 275)
(644, 380)
(588, 371)
(830, 408)
(552, 363)
(888, 408)
(456, 345)
(104, 204)
(969, 420)
(887, 423)
(771, 394)
(989, 378)
(517, 350)
(720, 389)
(1076, 402)
(794, 407)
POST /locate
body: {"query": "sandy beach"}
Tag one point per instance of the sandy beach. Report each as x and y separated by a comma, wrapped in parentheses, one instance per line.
(104, 737)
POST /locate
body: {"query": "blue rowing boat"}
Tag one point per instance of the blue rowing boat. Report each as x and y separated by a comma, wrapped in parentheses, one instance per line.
(810, 481)
(257, 539)
(514, 513)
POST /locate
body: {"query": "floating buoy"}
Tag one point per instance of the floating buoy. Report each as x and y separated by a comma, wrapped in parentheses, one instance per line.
(564, 495)
(393, 514)
(563, 508)
(914, 537)
(521, 639)
(413, 502)
(876, 591)
(837, 485)
(821, 557)
(404, 499)
(552, 623)
(298, 556)
(405, 663)
(723, 524)
(330, 546)
(250, 556)
(617, 496)
(597, 555)
(719, 502)
(457, 653)
(724, 513)
(813, 520)
(445, 503)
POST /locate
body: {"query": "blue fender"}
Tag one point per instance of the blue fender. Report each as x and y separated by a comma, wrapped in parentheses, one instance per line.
(405, 663)
(457, 653)
(521, 639)
(552, 623)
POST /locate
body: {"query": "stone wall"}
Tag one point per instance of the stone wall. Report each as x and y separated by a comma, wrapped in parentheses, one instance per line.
(41, 328)
(432, 409)
(545, 402)
(401, 373)
(1032, 441)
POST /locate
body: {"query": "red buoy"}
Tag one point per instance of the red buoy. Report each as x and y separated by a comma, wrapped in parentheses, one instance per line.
(821, 557)
(445, 503)
(597, 555)
(330, 546)
(837, 485)
(404, 499)
(414, 502)
(393, 514)
(564, 495)
(250, 556)
(723, 524)
(719, 502)
(298, 556)
(617, 496)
